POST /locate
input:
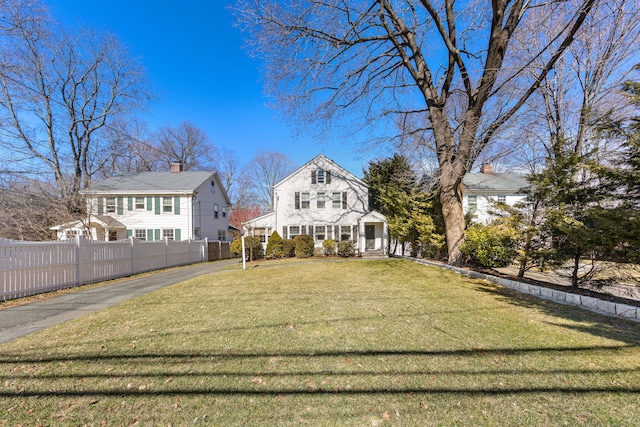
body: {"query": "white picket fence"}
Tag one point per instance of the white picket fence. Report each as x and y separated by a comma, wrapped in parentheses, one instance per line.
(28, 268)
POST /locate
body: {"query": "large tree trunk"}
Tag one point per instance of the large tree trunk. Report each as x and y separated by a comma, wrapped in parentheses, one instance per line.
(454, 223)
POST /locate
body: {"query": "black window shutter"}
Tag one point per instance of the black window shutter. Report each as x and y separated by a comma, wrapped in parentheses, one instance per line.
(297, 200)
(284, 232)
(313, 177)
(344, 200)
(303, 229)
(327, 176)
(311, 230)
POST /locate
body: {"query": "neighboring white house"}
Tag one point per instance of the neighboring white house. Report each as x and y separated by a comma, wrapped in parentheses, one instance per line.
(150, 206)
(480, 189)
(325, 201)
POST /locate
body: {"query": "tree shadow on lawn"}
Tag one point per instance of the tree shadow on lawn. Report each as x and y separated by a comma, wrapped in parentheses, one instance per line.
(250, 382)
(585, 321)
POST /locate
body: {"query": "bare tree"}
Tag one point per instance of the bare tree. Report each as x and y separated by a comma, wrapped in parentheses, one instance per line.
(57, 92)
(188, 145)
(584, 86)
(263, 172)
(131, 148)
(446, 63)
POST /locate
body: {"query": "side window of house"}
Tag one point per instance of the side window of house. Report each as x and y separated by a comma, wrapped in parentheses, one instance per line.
(167, 233)
(215, 210)
(224, 212)
(320, 232)
(472, 203)
(294, 230)
(502, 198)
(167, 205)
(320, 200)
(140, 234)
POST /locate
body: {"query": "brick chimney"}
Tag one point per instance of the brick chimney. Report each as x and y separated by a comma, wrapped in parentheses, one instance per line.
(486, 168)
(176, 167)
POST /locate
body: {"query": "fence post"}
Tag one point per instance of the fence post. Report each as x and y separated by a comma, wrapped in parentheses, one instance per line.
(205, 250)
(78, 267)
(166, 252)
(133, 255)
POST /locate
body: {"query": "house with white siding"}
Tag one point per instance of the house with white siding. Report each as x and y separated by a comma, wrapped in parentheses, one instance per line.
(483, 189)
(176, 205)
(327, 202)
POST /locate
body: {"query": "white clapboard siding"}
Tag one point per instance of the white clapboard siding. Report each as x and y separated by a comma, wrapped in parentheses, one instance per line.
(28, 268)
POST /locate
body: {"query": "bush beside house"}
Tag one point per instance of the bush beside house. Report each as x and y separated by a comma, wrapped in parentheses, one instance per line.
(274, 246)
(305, 246)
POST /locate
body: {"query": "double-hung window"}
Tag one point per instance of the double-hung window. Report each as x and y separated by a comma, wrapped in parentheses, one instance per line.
(215, 210)
(502, 198)
(294, 230)
(320, 232)
(345, 232)
(167, 233)
(167, 205)
(139, 203)
(336, 200)
(140, 234)
(305, 200)
(320, 200)
(472, 203)
(110, 204)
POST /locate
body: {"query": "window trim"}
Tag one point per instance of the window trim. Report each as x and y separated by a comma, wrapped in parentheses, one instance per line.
(167, 208)
(110, 205)
(137, 206)
(305, 200)
(168, 233)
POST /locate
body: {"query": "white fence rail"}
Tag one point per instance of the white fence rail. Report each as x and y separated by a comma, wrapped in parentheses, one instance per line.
(28, 268)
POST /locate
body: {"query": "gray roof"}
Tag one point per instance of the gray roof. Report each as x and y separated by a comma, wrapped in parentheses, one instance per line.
(151, 182)
(493, 182)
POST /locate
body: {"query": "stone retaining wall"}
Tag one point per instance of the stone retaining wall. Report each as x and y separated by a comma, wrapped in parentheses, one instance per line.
(596, 305)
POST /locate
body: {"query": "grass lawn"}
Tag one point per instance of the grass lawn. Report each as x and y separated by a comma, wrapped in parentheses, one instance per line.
(348, 342)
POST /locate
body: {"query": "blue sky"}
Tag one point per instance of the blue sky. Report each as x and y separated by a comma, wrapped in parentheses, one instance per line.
(199, 71)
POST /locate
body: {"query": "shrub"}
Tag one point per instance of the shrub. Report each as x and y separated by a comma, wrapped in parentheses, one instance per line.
(274, 246)
(346, 248)
(252, 245)
(304, 246)
(490, 246)
(288, 248)
(329, 247)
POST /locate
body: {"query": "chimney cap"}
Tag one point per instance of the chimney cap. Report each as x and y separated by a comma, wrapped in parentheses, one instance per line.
(176, 167)
(486, 168)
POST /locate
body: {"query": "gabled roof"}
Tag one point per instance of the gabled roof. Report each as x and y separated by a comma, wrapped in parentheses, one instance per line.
(504, 182)
(323, 158)
(103, 221)
(155, 183)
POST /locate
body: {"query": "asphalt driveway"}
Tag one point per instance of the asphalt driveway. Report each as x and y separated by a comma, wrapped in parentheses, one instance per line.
(18, 321)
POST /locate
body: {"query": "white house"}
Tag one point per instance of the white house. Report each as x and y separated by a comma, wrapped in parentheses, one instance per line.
(175, 205)
(483, 188)
(325, 201)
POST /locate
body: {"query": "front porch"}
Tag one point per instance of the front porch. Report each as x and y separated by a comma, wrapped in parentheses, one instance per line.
(373, 235)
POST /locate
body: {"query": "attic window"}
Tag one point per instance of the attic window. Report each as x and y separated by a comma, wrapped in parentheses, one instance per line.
(213, 186)
(320, 176)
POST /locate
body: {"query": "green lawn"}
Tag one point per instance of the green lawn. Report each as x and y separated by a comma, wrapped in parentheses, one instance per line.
(362, 343)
